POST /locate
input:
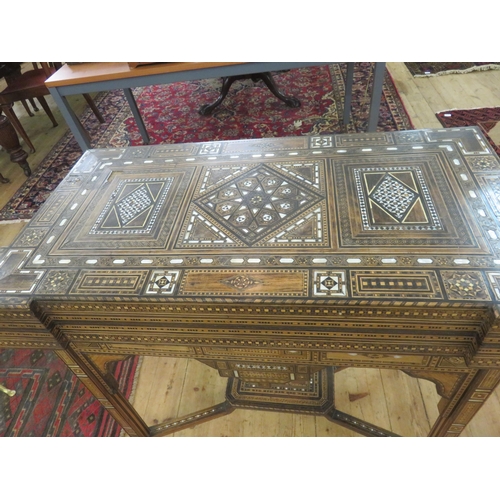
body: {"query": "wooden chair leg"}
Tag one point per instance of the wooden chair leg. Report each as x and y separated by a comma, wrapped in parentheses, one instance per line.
(47, 109)
(10, 142)
(93, 107)
(33, 103)
(26, 107)
(9, 113)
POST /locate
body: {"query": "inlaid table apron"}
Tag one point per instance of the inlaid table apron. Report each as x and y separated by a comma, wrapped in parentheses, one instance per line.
(274, 261)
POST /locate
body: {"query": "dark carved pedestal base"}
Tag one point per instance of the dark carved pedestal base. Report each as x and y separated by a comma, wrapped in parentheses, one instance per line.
(267, 78)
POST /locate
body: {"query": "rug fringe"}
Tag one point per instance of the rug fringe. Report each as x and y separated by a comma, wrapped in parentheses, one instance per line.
(468, 109)
(486, 67)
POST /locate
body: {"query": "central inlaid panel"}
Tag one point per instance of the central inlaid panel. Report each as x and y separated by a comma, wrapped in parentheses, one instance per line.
(260, 201)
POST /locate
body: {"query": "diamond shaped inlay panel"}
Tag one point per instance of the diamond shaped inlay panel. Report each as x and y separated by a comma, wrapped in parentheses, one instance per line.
(133, 206)
(257, 202)
(394, 197)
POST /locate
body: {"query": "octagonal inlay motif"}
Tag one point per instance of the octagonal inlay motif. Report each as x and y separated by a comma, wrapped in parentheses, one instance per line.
(257, 202)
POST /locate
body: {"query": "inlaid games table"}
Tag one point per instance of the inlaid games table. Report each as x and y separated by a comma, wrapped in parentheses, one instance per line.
(274, 261)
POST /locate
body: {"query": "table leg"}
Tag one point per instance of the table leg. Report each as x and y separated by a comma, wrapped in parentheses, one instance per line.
(104, 388)
(137, 115)
(378, 82)
(468, 398)
(348, 93)
(72, 120)
(10, 142)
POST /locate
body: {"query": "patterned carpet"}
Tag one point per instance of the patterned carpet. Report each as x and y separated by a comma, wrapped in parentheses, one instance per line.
(50, 401)
(487, 119)
(249, 111)
(421, 69)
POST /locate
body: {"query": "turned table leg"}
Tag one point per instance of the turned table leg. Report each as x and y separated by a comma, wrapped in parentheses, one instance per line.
(10, 142)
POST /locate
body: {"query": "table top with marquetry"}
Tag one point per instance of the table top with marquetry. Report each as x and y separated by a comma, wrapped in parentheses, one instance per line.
(410, 216)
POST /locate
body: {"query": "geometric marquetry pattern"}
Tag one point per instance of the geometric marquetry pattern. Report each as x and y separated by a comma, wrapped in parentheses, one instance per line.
(200, 230)
(395, 284)
(163, 282)
(305, 172)
(483, 163)
(256, 203)
(307, 229)
(133, 207)
(490, 184)
(56, 281)
(329, 283)
(494, 279)
(309, 394)
(465, 285)
(103, 282)
(321, 142)
(30, 238)
(210, 148)
(395, 198)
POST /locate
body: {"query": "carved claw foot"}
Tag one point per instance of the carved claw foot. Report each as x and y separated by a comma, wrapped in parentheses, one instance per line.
(207, 109)
(292, 102)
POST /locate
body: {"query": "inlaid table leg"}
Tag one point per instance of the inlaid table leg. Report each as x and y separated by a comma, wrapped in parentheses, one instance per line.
(10, 142)
(466, 402)
(104, 388)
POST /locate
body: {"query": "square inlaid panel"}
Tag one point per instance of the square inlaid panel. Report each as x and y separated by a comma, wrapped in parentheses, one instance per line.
(401, 200)
(262, 204)
(132, 210)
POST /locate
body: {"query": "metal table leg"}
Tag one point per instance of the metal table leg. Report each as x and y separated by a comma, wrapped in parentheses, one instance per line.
(378, 81)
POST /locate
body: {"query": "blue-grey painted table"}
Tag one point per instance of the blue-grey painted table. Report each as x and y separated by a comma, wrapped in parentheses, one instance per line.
(97, 77)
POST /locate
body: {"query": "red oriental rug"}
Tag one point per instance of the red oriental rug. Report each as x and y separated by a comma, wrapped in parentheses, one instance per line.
(420, 69)
(249, 111)
(50, 401)
(487, 119)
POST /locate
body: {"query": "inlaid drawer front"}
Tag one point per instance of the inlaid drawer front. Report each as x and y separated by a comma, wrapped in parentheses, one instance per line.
(279, 283)
(375, 283)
